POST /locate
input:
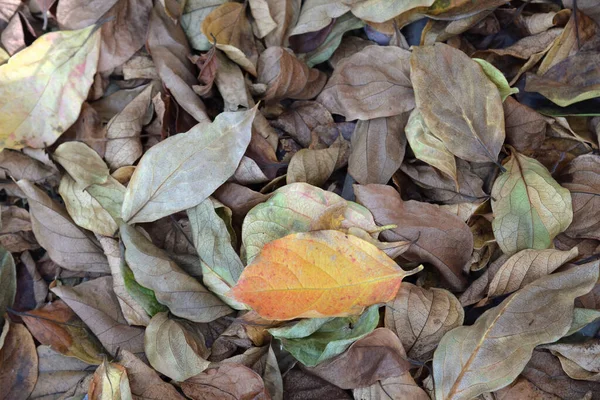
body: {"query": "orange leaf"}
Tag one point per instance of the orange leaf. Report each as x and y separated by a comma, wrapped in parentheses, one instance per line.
(318, 274)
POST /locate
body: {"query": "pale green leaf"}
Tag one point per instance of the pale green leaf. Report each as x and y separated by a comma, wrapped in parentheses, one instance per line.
(497, 77)
(8, 282)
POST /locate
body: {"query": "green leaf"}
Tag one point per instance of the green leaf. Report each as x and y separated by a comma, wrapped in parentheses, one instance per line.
(530, 207)
(300, 207)
(314, 340)
(143, 296)
(497, 77)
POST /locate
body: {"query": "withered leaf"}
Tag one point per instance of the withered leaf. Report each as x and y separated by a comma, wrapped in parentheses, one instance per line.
(8, 282)
(301, 119)
(420, 317)
(109, 382)
(228, 381)
(491, 353)
(315, 166)
(194, 13)
(81, 162)
(160, 178)
(67, 244)
(459, 104)
(361, 89)
(525, 128)
(18, 363)
(299, 385)
(438, 237)
(20, 166)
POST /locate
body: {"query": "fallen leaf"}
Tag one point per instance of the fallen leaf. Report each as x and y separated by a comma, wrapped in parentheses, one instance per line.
(263, 21)
(530, 207)
(63, 64)
(512, 329)
(497, 78)
(20, 166)
(421, 317)
(361, 89)
(154, 270)
(295, 208)
(228, 381)
(109, 382)
(32, 289)
(18, 363)
(96, 304)
(194, 12)
(88, 129)
(317, 284)
(525, 128)
(174, 350)
(300, 385)
(285, 14)
(380, 353)
(82, 163)
(122, 132)
(458, 102)
(223, 144)
(521, 388)
(56, 325)
(312, 341)
(438, 237)
(397, 387)
(525, 267)
(144, 382)
(315, 166)
(67, 245)
(378, 147)
(8, 282)
(427, 147)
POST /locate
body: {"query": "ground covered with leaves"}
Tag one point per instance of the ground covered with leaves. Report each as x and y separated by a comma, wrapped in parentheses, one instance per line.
(299, 199)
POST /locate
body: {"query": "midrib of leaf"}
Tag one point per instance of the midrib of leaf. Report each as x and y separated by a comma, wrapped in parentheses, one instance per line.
(371, 281)
(532, 233)
(454, 389)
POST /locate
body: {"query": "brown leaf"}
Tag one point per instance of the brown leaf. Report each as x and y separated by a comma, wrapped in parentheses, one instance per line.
(109, 382)
(420, 318)
(397, 387)
(122, 35)
(377, 356)
(18, 363)
(123, 145)
(299, 385)
(96, 304)
(378, 147)
(301, 119)
(230, 26)
(439, 237)
(545, 372)
(13, 36)
(525, 128)
(32, 290)
(285, 14)
(582, 178)
(459, 104)
(288, 77)
(144, 382)
(56, 325)
(239, 199)
(362, 89)
(88, 129)
(168, 46)
(229, 381)
(578, 360)
(316, 166)
(67, 244)
(521, 388)
(20, 166)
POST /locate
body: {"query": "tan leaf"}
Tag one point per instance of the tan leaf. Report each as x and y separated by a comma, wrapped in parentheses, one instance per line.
(109, 382)
(525, 128)
(263, 21)
(230, 380)
(8, 282)
(174, 350)
(288, 77)
(521, 388)
(218, 146)
(153, 269)
(527, 266)
(361, 89)
(18, 363)
(194, 12)
(317, 14)
(144, 382)
(582, 178)
(530, 207)
(316, 166)
(96, 304)
(438, 237)
(20, 166)
(285, 14)
(231, 84)
(230, 26)
(67, 245)
(397, 387)
(43, 86)
(421, 317)
(301, 119)
(81, 162)
(579, 360)
(463, 364)
(88, 129)
(300, 385)
(124, 146)
(378, 147)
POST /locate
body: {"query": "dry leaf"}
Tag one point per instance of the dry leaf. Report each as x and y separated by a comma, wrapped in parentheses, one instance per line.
(420, 318)
(530, 207)
(458, 102)
(229, 381)
(361, 89)
(222, 144)
(194, 12)
(67, 245)
(82, 163)
(316, 166)
(301, 119)
(317, 284)
(285, 15)
(20, 166)
(377, 149)
(263, 21)
(525, 128)
(174, 350)
(491, 353)
(397, 387)
(109, 382)
(18, 363)
(8, 283)
(438, 237)
(300, 385)
(35, 112)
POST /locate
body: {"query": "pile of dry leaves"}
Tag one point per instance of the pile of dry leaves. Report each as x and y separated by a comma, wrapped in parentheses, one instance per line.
(299, 199)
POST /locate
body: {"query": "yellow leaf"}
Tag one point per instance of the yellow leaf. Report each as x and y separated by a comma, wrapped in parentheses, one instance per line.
(43, 87)
(318, 274)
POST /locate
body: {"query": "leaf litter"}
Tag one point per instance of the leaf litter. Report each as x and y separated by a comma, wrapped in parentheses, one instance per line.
(299, 199)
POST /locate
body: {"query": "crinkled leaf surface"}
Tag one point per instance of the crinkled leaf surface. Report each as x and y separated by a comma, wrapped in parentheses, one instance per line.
(43, 87)
(317, 274)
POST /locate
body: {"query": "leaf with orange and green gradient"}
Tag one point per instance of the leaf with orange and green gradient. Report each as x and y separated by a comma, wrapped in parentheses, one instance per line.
(318, 274)
(43, 86)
